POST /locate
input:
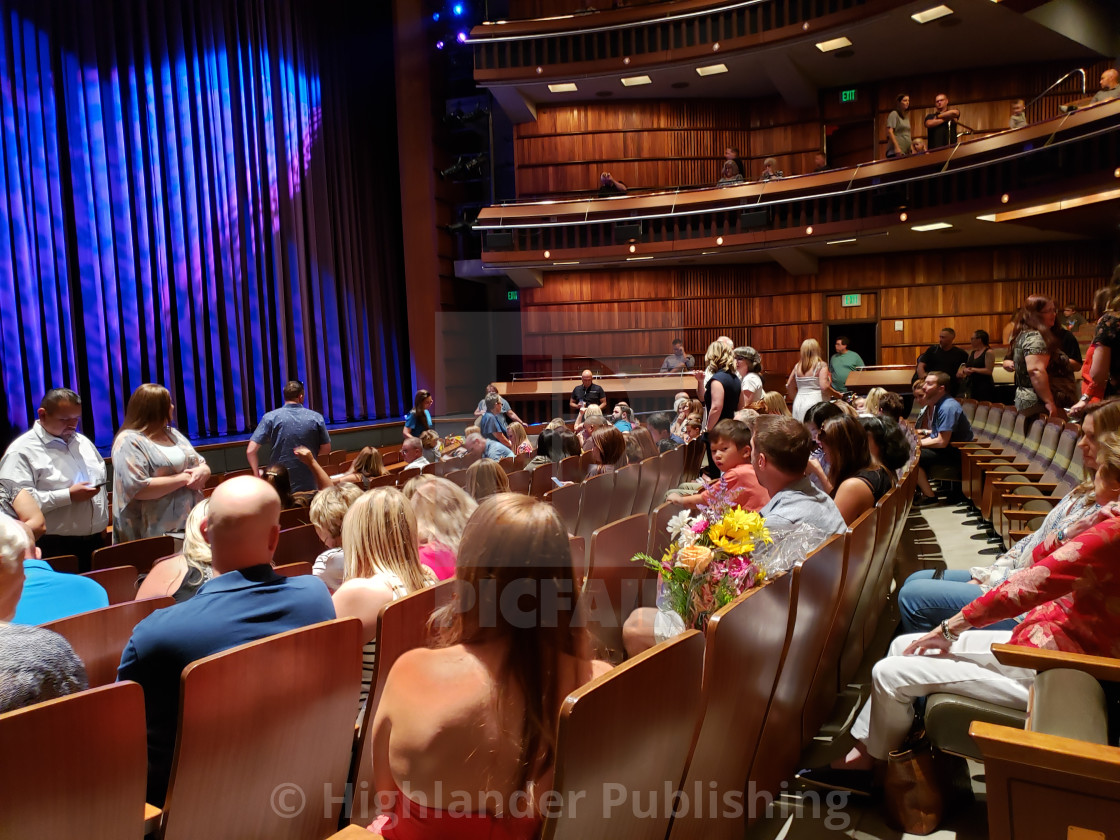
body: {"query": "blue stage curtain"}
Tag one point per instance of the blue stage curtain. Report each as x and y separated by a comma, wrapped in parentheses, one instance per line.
(188, 196)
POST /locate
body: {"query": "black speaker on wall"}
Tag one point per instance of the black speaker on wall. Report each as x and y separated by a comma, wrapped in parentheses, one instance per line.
(625, 231)
(498, 240)
(754, 219)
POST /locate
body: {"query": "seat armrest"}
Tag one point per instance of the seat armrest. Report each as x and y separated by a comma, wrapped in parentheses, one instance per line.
(980, 444)
(152, 817)
(1023, 515)
(1102, 668)
(1046, 752)
(1049, 487)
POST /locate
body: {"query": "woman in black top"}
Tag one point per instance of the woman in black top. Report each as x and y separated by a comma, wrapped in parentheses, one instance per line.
(977, 369)
(858, 480)
(721, 394)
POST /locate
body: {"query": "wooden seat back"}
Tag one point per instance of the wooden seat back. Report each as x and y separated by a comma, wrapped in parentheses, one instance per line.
(625, 491)
(615, 586)
(294, 517)
(294, 569)
(519, 481)
(659, 536)
(566, 501)
(672, 464)
(595, 504)
(65, 563)
(76, 766)
(648, 478)
(401, 626)
(571, 469)
(139, 553)
(118, 582)
(271, 713)
(880, 576)
(99, 636)
(459, 478)
(541, 480)
(298, 545)
(752, 628)
(816, 586)
(644, 757)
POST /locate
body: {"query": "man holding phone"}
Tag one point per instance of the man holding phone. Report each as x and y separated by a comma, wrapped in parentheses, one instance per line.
(66, 474)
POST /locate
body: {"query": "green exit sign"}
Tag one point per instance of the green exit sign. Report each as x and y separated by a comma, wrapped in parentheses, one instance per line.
(511, 295)
(850, 300)
(849, 95)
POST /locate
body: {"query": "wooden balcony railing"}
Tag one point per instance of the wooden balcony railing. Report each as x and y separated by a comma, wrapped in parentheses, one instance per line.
(649, 35)
(1070, 155)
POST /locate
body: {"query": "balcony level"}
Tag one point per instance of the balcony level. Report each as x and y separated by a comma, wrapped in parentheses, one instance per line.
(1056, 180)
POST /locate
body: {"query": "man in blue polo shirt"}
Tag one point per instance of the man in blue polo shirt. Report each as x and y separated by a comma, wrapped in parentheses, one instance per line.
(947, 425)
(477, 444)
(48, 595)
(285, 428)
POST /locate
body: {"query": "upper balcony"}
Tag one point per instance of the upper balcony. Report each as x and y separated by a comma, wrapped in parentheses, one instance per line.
(1054, 180)
(740, 49)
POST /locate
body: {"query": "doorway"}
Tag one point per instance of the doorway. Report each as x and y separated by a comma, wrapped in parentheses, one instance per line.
(861, 337)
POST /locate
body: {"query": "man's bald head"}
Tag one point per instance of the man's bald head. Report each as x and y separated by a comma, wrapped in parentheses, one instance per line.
(242, 523)
(1110, 78)
(723, 339)
(411, 449)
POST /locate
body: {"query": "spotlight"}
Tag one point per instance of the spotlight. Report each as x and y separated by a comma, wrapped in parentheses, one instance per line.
(457, 9)
(435, 16)
(461, 37)
(440, 45)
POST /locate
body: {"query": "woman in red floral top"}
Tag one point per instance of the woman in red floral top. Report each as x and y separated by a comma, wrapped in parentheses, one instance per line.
(1071, 594)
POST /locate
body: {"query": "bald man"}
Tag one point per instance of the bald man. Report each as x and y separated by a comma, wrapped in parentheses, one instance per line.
(587, 392)
(1110, 86)
(244, 602)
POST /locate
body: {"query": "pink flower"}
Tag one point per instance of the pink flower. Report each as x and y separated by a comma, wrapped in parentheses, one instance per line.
(700, 526)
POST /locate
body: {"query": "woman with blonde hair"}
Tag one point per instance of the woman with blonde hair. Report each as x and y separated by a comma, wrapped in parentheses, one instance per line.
(775, 403)
(442, 509)
(382, 564)
(808, 382)
(519, 439)
(485, 478)
(180, 575)
(721, 393)
(157, 475)
(871, 403)
(367, 466)
(484, 703)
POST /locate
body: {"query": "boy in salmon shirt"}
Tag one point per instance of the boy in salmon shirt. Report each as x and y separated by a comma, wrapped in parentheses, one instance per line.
(731, 452)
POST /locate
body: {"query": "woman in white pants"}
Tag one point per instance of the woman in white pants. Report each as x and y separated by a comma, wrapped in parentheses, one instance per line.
(1069, 594)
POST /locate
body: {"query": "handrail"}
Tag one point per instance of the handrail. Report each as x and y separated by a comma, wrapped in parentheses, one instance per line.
(667, 17)
(1084, 85)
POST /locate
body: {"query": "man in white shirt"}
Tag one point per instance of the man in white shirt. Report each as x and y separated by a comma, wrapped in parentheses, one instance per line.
(66, 474)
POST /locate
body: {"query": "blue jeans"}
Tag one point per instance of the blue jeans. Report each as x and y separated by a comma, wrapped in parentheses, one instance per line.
(924, 603)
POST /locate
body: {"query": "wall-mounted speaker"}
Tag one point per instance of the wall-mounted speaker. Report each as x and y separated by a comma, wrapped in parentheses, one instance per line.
(498, 240)
(625, 231)
(754, 219)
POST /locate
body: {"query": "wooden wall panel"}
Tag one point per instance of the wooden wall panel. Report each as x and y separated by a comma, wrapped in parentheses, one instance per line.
(834, 309)
(624, 321)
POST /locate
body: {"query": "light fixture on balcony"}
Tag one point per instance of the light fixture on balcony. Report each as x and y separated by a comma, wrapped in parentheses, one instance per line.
(635, 81)
(719, 240)
(548, 255)
(834, 44)
(711, 70)
(633, 248)
(932, 14)
(809, 230)
(931, 226)
(841, 241)
(563, 87)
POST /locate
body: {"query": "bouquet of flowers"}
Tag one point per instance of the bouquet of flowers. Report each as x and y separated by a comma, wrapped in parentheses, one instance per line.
(709, 561)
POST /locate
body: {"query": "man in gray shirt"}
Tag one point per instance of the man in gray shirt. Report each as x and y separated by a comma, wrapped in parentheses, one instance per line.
(285, 428)
(1110, 87)
(780, 450)
(678, 361)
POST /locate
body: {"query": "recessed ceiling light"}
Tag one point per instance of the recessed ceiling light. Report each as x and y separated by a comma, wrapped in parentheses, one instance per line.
(564, 87)
(834, 44)
(988, 217)
(634, 81)
(932, 14)
(929, 227)
(567, 262)
(712, 70)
